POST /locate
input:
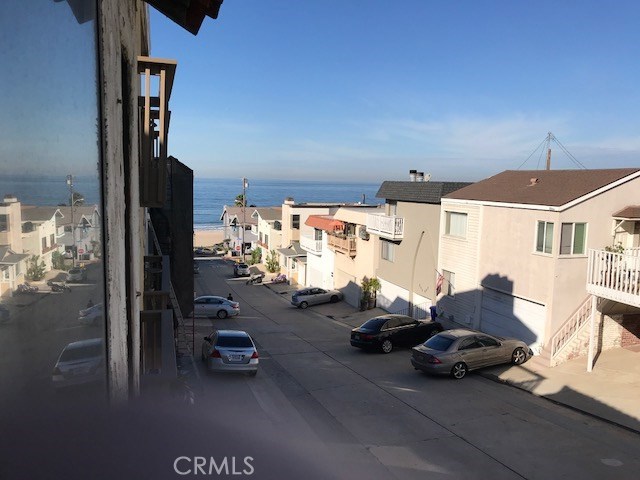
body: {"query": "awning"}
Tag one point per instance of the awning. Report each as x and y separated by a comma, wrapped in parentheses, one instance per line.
(632, 212)
(293, 250)
(323, 222)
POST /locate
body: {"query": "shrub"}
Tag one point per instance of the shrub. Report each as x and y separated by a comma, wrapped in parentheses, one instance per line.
(272, 262)
(35, 268)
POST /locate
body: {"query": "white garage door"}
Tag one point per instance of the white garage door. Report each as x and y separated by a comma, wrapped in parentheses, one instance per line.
(510, 316)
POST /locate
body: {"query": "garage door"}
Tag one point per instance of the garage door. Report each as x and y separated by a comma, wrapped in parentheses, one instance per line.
(509, 316)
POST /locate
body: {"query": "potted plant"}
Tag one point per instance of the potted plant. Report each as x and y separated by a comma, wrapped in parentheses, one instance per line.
(370, 288)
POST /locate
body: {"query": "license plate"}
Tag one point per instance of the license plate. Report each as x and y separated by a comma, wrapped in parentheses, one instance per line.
(235, 358)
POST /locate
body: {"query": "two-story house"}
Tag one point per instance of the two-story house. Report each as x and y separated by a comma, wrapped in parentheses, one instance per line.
(239, 227)
(12, 259)
(515, 255)
(408, 231)
(268, 228)
(78, 231)
(39, 232)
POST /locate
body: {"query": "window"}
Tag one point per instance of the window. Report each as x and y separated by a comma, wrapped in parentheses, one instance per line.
(393, 208)
(295, 221)
(572, 238)
(469, 344)
(488, 341)
(4, 223)
(44, 243)
(317, 234)
(266, 239)
(544, 239)
(456, 224)
(388, 250)
(449, 282)
(52, 239)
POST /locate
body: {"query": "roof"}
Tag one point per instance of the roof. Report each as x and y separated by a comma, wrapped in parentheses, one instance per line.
(30, 213)
(293, 250)
(79, 211)
(269, 214)
(188, 14)
(418, 192)
(236, 212)
(324, 222)
(632, 212)
(541, 187)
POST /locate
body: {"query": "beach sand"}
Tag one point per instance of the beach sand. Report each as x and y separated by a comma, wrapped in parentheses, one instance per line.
(207, 238)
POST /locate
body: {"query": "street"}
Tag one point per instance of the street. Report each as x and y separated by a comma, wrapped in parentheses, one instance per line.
(374, 416)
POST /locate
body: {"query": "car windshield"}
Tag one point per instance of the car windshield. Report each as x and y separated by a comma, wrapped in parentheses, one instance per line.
(79, 353)
(235, 342)
(374, 324)
(439, 342)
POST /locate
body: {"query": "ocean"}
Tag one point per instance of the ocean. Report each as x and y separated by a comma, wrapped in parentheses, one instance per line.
(210, 195)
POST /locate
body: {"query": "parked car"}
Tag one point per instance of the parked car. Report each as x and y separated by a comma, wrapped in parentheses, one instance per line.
(76, 275)
(241, 270)
(230, 351)
(456, 352)
(203, 251)
(214, 306)
(312, 296)
(388, 331)
(79, 363)
(91, 315)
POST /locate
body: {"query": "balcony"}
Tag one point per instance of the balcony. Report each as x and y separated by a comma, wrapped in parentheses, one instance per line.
(346, 245)
(615, 276)
(386, 226)
(311, 244)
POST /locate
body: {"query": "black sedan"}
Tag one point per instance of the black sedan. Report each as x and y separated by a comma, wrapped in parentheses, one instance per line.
(387, 331)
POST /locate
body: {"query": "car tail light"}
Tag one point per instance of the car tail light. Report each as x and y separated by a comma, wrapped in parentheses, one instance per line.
(235, 307)
(365, 336)
(215, 354)
(432, 359)
(255, 355)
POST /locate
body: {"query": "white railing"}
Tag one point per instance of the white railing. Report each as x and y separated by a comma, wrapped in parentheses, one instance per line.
(615, 276)
(310, 244)
(570, 329)
(387, 226)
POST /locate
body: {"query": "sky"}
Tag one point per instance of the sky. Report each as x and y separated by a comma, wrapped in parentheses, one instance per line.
(365, 90)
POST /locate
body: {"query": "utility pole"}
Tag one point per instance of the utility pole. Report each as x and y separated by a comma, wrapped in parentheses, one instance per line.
(245, 184)
(549, 135)
(73, 227)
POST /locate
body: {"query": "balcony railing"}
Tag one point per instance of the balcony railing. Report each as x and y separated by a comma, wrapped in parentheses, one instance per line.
(615, 276)
(310, 244)
(386, 226)
(346, 245)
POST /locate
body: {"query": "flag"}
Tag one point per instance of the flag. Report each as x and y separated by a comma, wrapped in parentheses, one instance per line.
(439, 284)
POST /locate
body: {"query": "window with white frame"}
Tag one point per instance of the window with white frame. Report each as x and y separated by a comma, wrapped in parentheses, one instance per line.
(387, 250)
(456, 224)
(449, 282)
(573, 238)
(544, 237)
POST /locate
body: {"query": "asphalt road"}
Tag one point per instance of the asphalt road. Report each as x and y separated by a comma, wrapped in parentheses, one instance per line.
(368, 415)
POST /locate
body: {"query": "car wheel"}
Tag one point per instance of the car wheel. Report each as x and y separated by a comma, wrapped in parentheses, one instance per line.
(334, 298)
(459, 370)
(222, 314)
(304, 305)
(386, 346)
(518, 357)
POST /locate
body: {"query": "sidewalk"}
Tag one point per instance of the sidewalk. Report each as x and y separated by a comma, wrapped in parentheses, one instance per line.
(611, 391)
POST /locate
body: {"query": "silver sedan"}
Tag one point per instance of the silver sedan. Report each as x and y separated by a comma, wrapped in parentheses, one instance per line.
(230, 351)
(456, 352)
(214, 306)
(313, 295)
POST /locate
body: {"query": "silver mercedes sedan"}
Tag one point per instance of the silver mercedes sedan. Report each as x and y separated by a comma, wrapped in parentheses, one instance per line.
(456, 352)
(313, 296)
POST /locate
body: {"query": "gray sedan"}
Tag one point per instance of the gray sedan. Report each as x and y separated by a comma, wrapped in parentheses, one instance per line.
(456, 352)
(230, 351)
(313, 295)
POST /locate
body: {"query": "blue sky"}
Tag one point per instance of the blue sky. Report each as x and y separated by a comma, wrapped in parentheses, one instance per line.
(368, 89)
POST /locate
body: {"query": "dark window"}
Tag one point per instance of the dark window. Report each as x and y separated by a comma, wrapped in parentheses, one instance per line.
(393, 323)
(488, 341)
(295, 221)
(469, 343)
(4, 223)
(439, 342)
(234, 342)
(406, 321)
(373, 324)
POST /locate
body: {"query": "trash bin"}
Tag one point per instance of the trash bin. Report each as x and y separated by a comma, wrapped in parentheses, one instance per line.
(434, 312)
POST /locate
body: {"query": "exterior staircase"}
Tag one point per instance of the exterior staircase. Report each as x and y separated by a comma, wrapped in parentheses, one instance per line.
(571, 338)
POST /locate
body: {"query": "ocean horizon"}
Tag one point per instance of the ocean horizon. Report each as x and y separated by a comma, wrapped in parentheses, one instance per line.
(210, 195)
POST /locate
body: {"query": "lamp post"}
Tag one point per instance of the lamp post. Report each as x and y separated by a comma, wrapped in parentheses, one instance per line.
(245, 185)
(73, 227)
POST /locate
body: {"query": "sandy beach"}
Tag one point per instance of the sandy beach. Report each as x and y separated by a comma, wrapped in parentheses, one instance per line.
(207, 238)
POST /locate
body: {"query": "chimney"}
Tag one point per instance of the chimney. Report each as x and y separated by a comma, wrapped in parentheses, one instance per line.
(289, 201)
(534, 181)
(420, 177)
(412, 175)
(10, 198)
